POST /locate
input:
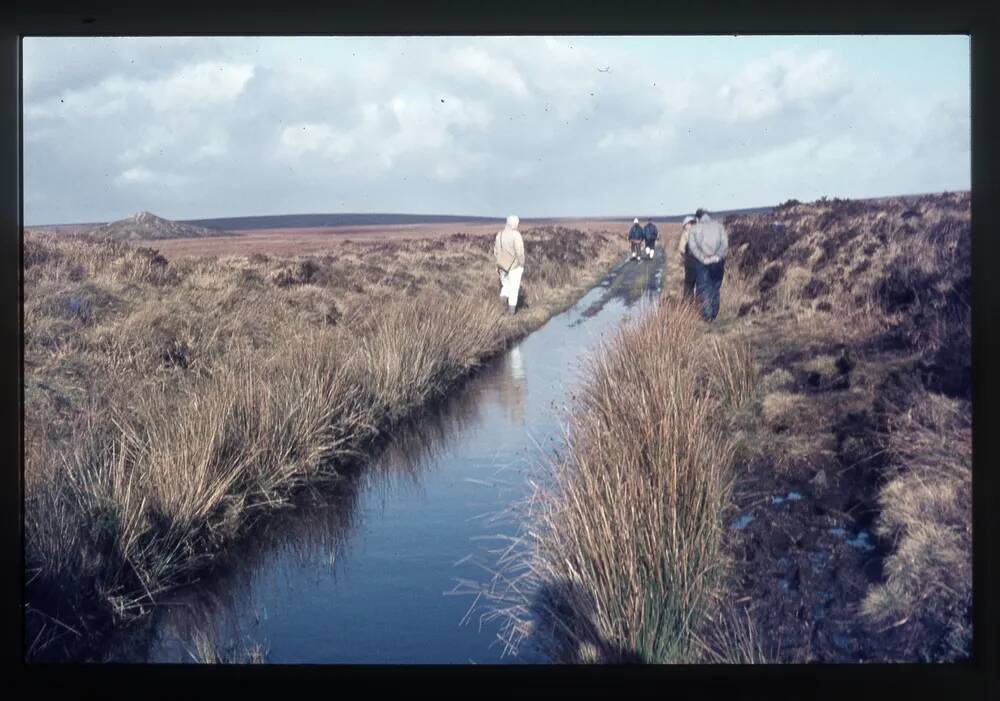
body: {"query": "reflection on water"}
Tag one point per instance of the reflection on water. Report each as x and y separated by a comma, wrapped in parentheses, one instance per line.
(358, 573)
(511, 388)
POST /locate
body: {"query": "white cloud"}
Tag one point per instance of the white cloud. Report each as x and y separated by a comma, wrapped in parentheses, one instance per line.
(783, 79)
(140, 176)
(316, 138)
(200, 85)
(212, 127)
(498, 72)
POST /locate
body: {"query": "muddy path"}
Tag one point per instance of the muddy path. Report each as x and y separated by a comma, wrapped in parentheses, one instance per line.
(803, 535)
(366, 573)
(633, 279)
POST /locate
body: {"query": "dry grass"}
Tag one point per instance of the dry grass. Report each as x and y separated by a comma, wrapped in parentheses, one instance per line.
(852, 268)
(622, 554)
(926, 511)
(889, 280)
(204, 650)
(171, 404)
(622, 558)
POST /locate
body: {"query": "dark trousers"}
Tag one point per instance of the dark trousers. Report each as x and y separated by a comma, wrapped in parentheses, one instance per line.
(690, 263)
(708, 284)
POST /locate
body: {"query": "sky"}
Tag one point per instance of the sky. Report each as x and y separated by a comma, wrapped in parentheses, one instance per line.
(201, 127)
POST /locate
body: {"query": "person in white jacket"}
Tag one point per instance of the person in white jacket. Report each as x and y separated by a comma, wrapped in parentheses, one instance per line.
(508, 249)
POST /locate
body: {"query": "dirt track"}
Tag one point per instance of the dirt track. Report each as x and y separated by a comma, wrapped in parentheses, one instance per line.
(630, 280)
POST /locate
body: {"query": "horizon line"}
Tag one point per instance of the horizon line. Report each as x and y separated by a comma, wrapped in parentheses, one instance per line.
(471, 217)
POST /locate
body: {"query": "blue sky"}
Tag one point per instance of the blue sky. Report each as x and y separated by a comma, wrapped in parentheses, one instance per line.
(190, 127)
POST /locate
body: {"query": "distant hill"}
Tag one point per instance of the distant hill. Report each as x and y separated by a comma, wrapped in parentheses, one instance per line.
(226, 225)
(147, 226)
(303, 221)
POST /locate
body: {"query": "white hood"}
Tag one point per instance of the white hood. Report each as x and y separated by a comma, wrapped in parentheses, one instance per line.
(512, 222)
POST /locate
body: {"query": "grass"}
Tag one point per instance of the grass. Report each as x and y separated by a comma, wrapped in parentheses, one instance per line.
(926, 511)
(889, 281)
(170, 405)
(622, 555)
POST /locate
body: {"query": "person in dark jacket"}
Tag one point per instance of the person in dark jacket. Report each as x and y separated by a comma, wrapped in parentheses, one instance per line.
(650, 233)
(636, 239)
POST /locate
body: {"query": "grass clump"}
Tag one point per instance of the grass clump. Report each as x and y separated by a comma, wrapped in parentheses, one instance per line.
(622, 558)
(926, 512)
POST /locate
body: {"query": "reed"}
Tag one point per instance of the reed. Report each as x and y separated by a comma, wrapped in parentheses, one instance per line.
(170, 405)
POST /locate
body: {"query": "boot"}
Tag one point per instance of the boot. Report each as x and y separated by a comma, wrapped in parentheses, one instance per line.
(511, 310)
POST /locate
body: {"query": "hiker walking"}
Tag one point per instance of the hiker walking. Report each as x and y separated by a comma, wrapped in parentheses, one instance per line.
(636, 239)
(708, 242)
(508, 249)
(650, 233)
(688, 259)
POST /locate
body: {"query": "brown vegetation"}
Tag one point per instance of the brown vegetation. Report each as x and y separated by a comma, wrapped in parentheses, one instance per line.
(169, 404)
(855, 315)
(328, 239)
(862, 327)
(622, 559)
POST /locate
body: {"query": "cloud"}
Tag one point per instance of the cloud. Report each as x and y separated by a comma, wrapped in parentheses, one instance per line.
(780, 81)
(145, 176)
(198, 86)
(316, 138)
(479, 65)
(193, 127)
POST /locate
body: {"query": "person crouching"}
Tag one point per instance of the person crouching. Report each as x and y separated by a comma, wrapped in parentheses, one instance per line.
(508, 249)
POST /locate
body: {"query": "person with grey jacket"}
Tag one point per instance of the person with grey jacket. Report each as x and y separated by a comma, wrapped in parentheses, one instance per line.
(708, 243)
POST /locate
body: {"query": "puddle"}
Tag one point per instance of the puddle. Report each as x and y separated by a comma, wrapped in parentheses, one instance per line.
(842, 641)
(819, 560)
(861, 540)
(791, 496)
(742, 522)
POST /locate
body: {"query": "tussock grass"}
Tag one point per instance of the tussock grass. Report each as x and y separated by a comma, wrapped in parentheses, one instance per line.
(622, 555)
(169, 405)
(926, 511)
(732, 637)
(204, 650)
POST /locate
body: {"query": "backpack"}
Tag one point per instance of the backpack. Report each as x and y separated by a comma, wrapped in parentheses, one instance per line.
(708, 238)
